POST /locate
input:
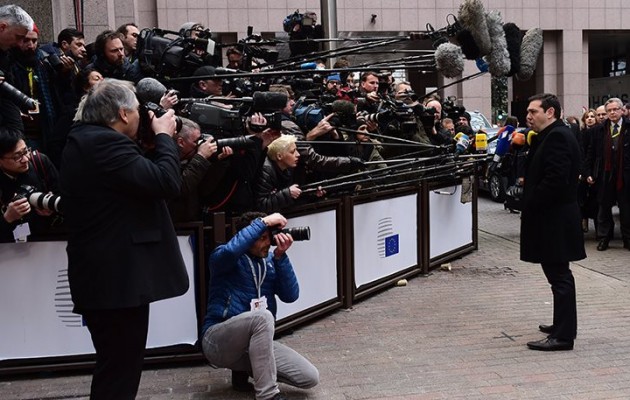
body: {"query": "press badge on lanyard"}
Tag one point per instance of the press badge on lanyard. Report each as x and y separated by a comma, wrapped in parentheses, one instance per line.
(259, 303)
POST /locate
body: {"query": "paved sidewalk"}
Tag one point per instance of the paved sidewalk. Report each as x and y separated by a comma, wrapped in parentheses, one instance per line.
(451, 335)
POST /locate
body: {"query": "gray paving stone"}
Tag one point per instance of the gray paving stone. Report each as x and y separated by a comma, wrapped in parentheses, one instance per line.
(456, 334)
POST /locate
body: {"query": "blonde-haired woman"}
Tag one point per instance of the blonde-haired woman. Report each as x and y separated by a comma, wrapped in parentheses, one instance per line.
(275, 189)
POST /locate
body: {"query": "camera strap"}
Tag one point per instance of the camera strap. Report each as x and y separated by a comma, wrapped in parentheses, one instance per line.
(40, 171)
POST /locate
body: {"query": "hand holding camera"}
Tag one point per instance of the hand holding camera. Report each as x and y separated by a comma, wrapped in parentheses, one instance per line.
(165, 124)
(169, 99)
(283, 242)
(207, 148)
(16, 209)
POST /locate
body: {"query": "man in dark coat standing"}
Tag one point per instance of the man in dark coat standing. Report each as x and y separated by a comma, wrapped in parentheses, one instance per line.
(122, 251)
(607, 166)
(550, 224)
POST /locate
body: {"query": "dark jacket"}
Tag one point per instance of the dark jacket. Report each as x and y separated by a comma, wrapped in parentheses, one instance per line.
(122, 249)
(128, 71)
(232, 284)
(187, 206)
(44, 178)
(10, 116)
(550, 220)
(272, 188)
(595, 156)
(311, 163)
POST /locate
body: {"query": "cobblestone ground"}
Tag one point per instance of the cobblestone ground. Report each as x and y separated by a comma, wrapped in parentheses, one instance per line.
(456, 334)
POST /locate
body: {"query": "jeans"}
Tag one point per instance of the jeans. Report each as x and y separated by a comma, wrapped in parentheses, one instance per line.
(245, 343)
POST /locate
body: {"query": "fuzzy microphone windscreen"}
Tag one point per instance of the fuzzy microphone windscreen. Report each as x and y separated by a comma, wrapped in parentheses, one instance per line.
(499, 58)
(449, 60)
(468, 44)
(513, 37)
(530, 49)
(472, 17)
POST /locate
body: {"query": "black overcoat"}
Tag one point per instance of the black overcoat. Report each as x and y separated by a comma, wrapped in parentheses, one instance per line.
(122, 249)
(550, 221)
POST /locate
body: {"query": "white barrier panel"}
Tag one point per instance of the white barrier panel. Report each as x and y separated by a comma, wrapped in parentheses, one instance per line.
(314, 262)
(450, 221)
(36, 309)
(385, 238)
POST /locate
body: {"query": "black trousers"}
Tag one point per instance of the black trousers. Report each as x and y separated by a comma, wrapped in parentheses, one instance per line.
(562, 284)
(119, 337)
(605, 221)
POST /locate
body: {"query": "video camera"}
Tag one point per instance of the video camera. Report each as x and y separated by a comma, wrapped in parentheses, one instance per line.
(162, 56)
(393, 117)
(230, 122)
(242, 87)
(452, 111)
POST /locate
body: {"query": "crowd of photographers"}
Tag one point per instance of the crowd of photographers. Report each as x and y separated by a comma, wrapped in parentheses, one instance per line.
(245, 142)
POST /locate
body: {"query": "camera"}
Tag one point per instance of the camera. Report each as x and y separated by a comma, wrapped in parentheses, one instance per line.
(18, 98)
(45, 201)
(236, 143)
(54, 61)
(145, 133)
(172, 92)
(451, 110)
(298, 233)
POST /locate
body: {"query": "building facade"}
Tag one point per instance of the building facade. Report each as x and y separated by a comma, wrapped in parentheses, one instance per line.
(583, 39)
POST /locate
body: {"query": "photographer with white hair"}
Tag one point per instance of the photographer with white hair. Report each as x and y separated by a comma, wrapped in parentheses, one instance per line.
(15, 23)
(123, 252)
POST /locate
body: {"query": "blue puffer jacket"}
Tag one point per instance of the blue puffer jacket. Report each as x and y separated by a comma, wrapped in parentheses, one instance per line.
(232, 285)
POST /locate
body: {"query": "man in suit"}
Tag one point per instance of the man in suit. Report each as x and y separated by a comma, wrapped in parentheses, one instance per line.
(551, 233)
(122, 250)
(608, 166)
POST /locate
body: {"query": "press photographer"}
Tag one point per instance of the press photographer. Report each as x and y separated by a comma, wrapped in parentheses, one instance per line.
(311, 164)
(201, 170)
(15, 23)
(115, 198)
(247, 280)
(301, 27)
(27, 177)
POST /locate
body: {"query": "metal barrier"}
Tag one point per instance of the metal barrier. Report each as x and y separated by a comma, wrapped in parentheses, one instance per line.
(359, 245)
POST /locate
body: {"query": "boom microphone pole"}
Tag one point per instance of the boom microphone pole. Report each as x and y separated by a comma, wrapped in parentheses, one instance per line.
(401, 140)
(373, 178)
(311, 142)
(283, 73)
(363, 173)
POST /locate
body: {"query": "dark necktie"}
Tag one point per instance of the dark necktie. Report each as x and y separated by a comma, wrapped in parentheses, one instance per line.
(615, 131)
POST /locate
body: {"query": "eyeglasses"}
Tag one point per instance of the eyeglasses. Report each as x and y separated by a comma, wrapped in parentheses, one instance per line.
(18, 156)
(611, 110)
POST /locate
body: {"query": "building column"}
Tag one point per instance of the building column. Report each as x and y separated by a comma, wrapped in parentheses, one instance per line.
(573, 72)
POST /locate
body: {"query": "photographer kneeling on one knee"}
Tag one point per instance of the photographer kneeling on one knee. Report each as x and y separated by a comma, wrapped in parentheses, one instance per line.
(239, 325)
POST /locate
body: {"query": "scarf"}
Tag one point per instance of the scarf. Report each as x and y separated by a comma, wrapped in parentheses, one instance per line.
(608, 156)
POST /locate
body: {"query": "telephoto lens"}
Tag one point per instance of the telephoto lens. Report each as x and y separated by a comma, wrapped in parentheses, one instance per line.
(298, 234)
